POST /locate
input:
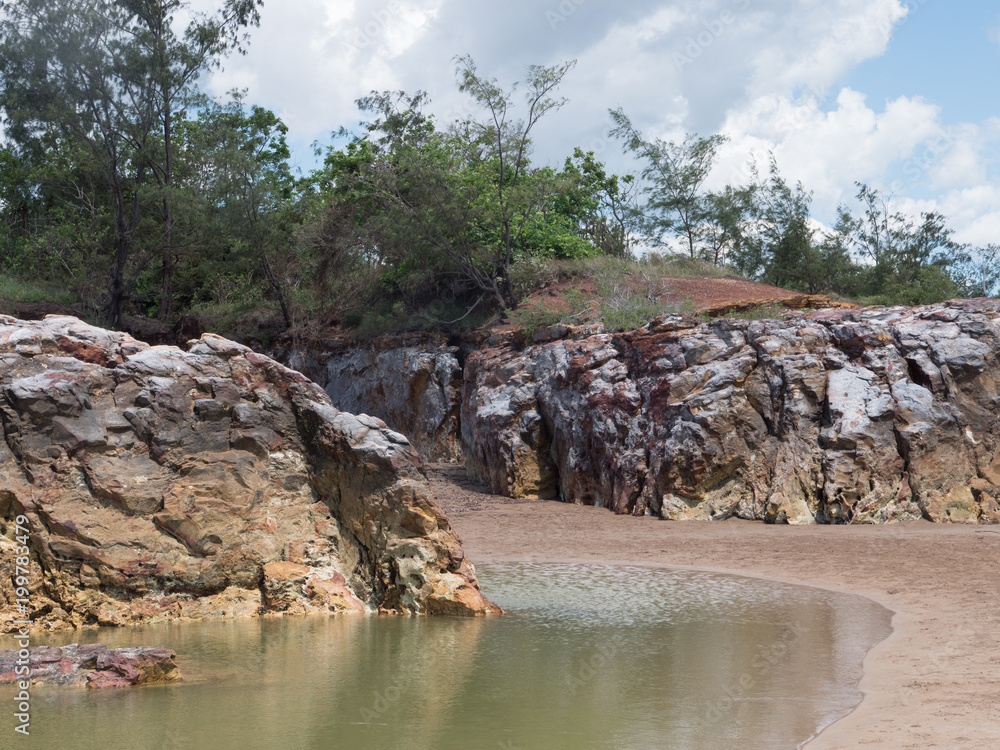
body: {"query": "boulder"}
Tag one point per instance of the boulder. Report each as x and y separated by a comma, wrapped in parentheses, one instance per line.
(161, 484)
(91, 665)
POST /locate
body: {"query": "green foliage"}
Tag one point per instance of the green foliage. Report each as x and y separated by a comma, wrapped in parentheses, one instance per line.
(126, 190)
(976, 271)
(89, 90)
(903, 261)
(629, 300)
(760, 312)
(532, 316)
(17, 290)
(675, 174)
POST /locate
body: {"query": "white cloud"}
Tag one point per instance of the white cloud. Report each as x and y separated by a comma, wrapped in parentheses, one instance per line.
(766, 72)
(828, 151)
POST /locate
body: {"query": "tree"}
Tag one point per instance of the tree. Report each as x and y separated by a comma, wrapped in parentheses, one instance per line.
(448, 211)
(977, 271)
(504, 148)
(103, 76)
(783, 232)
(908, 261)
(602, 205)
(725, 231)
(676, 173)
(236, 158)
(174, 65)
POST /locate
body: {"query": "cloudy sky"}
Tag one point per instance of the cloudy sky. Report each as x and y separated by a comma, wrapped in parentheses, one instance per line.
(902, 94)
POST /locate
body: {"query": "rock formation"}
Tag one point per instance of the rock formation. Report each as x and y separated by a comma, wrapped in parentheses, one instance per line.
(166, 484)
(412, 383)
(91, 665)
(835, 416)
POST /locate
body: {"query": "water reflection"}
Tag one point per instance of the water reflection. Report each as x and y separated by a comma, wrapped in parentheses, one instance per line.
(589, 657)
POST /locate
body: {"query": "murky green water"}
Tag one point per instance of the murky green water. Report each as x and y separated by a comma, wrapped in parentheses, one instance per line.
(589, 657)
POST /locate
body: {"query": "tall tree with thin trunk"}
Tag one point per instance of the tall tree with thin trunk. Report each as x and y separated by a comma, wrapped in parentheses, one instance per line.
(675, 174)
(506, 146)
(176, 62)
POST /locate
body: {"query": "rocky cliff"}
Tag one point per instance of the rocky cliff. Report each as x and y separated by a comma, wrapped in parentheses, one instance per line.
(859, 416)
(166, 484)
(412, 383)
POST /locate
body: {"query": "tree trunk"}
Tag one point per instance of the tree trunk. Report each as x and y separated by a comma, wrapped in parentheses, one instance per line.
(116, 296)
(167, 290)
(276, 285)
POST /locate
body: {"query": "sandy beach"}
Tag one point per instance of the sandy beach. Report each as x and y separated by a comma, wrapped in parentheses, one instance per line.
(934, 683)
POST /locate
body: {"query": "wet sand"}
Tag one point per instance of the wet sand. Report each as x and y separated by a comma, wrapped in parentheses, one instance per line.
(934, 683)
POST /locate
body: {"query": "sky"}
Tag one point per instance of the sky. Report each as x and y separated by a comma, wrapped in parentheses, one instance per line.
(900, 94)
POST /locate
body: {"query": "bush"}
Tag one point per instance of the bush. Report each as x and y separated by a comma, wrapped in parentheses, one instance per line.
(629, 310)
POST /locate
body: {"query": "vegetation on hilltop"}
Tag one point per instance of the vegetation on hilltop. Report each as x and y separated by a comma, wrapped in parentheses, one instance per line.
(125, 192)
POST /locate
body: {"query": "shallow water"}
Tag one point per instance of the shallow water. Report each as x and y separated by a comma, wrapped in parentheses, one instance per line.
(589, 657)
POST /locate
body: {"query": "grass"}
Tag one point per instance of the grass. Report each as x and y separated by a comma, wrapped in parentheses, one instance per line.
(19, 290)
(629, 293)
(553, 271)
(762, 312)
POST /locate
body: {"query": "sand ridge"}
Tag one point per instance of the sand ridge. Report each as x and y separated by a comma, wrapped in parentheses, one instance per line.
(934, 683)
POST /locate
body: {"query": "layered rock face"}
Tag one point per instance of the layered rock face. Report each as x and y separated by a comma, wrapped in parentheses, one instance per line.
(162, 484)
(839, 416)
(413, 384)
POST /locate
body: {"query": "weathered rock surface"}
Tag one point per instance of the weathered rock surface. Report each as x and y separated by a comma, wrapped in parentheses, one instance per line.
(162, 484)
(91, 665)
(411, 383)
(792, 302)
(854, 416)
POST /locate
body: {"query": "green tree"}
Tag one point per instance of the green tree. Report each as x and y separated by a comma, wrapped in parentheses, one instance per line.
(501, 151)
(977, 271)
(102, 76)
(675, 173)
(726, 231)
(234, 173)
(601, 205)
(174, 63)
(446, 212)
(783, 232)
(907, 261)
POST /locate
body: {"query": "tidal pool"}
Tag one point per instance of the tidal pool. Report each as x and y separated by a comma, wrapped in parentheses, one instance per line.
(609, 657)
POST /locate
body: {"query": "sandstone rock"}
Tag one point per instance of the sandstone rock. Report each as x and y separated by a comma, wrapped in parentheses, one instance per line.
(92, 665)
(836, 416)
(160, 484)
(792, 302)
